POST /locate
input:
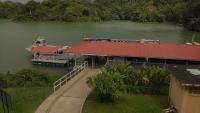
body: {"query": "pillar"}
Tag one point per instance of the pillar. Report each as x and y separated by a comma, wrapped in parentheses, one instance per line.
(34, 56)
(107, 60)
(75, 61)
(93, 61)
(146, 60)
(53, 57)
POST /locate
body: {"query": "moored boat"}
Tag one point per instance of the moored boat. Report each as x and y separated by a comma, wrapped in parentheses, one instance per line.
(44, 53)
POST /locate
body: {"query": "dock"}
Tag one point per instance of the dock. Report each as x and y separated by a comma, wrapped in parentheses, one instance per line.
(49, 61)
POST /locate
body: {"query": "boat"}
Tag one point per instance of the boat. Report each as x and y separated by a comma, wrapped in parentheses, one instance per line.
(40, 41)
(44, 53)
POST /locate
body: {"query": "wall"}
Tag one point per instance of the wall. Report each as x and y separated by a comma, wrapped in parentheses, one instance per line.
(181, 99)
(176, 94)
(191, 103)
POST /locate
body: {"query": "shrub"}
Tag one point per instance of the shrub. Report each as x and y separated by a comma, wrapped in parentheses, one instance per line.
(26, 78)
(154, 78)
(107, 85)
(147, 80)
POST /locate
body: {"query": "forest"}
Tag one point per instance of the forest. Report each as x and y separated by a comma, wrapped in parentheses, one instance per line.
(185, 12)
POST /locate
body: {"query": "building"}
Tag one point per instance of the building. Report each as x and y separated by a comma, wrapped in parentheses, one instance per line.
(107, 50)
(184, 91)
(137, 52)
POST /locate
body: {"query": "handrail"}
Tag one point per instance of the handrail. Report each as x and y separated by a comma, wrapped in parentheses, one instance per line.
(64, 79)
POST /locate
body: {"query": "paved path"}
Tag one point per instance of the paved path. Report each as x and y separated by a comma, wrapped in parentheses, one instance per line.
(71, 97)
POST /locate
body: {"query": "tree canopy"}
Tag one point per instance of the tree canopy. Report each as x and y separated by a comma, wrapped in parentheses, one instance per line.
(185, 12)
(122, 77)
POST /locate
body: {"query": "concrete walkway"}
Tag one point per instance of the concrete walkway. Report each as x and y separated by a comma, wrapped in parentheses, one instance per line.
(71, 97)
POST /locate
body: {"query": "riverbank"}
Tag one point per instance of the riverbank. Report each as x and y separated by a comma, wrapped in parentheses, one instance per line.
(16, 36)
(95, 10)
(27, 89)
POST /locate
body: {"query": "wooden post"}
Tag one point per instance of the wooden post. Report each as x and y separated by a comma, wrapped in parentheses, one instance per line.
(93, 62)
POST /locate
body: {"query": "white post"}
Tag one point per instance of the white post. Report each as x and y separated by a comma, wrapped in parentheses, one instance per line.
(107, 60)
(75, 61)
(60, 83)
(34, 55)
(53, 57)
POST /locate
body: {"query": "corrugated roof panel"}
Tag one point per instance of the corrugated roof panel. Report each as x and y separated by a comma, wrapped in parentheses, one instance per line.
(132, 49)
(46, 49)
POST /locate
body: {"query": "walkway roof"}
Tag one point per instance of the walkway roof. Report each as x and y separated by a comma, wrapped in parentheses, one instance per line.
(132, 49)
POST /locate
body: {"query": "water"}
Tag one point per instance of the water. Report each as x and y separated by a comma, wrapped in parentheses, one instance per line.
(16, 36)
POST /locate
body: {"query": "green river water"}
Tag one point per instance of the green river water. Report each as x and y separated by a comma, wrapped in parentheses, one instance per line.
(16, 36)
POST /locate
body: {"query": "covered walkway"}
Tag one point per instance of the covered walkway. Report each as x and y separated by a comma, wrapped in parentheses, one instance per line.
(133, 52)
(138, 50)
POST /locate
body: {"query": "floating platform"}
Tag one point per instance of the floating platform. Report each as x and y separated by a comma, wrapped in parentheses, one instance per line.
(49, 61)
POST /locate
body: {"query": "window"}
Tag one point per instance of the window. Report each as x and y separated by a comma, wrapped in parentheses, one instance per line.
(195, 90)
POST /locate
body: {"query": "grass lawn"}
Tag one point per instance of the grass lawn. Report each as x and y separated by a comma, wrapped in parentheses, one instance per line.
(26, 100)
(136, 103)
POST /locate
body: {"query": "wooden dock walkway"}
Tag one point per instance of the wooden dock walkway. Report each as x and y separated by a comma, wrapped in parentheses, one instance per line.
(49, 61)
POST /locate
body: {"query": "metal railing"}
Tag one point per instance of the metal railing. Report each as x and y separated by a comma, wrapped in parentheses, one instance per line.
(63, 80)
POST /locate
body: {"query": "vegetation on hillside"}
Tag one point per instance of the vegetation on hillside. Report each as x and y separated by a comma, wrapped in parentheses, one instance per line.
(124, 78)
(26, 100)
(27, 88)
(26, 78)
(186, 12)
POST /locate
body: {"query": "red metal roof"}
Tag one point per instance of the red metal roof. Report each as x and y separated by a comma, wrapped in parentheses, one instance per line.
(46, 49)
(132, 49)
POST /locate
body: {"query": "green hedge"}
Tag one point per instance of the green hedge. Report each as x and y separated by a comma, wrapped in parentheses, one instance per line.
(26, 78)
(122, 77)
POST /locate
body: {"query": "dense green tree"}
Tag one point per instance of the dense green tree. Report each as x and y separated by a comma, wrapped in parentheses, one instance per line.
(181, 11)
(153, 80)
(191, 16)
(107, 85)
(26, 78)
